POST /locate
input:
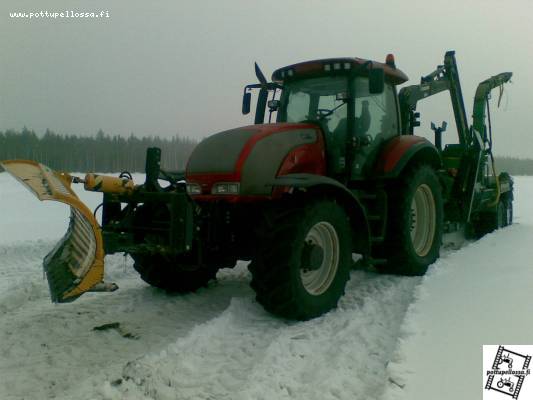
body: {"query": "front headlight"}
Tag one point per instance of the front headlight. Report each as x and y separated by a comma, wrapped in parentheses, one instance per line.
(225, 188)
(194, 188)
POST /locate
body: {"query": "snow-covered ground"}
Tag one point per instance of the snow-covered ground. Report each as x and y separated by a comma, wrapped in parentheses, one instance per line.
(479, 295)
(220, 344)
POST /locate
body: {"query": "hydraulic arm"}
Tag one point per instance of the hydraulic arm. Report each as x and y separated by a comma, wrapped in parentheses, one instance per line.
(481, 103)
(445, 77)
(475, 143)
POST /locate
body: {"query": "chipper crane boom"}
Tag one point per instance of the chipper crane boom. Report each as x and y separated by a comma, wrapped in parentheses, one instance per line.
(475, 142)
(445, 77)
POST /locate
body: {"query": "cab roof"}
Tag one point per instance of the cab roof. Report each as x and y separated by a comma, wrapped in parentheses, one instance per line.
(337, 66)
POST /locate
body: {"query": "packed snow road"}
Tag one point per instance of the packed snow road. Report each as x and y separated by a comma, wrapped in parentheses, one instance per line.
(215, 344)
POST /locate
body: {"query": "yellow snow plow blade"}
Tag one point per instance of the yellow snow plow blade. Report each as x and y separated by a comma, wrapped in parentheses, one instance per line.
(76, 264)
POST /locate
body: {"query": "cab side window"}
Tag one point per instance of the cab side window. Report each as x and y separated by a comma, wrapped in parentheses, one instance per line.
(298, 108)
(375, 114)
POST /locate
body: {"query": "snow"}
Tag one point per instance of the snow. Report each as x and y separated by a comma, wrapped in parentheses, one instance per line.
(219, 343)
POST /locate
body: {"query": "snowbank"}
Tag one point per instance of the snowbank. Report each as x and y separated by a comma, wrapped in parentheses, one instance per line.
(478, 295)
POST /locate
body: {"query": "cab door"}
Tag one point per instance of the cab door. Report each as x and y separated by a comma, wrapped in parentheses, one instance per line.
(376, 121)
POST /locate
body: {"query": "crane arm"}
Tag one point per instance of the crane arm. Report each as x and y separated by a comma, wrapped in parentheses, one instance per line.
(445, 77)
(481, 97)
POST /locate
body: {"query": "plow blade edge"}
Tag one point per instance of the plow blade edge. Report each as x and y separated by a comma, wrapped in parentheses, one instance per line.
(76, 264)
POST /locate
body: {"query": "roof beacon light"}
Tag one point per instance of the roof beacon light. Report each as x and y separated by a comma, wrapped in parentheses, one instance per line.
(389, 60)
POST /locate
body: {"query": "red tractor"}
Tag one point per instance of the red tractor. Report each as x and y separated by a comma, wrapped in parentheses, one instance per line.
(339, 172)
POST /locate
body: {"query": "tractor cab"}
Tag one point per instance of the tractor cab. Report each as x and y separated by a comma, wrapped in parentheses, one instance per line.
(354, 102)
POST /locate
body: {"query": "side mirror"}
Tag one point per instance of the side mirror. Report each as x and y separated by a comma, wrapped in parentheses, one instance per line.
(376, 80)
(246, 99)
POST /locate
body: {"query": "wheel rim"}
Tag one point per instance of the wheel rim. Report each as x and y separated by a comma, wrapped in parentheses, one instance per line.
(423, 220)
(317, 281)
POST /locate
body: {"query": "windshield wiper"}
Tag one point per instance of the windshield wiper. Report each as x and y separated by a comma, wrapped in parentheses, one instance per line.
(324, 112)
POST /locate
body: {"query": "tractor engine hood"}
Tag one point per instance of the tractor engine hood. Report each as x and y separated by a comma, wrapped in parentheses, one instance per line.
(242, 161)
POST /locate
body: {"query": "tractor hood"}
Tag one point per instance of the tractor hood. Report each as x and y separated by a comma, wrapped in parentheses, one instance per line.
(251, 156)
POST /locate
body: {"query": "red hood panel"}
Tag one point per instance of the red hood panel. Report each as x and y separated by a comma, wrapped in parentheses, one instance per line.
(226, 156)
(225, 152)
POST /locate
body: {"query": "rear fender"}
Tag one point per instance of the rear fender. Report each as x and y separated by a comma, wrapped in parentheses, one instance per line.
(317, 185)
(402, 151)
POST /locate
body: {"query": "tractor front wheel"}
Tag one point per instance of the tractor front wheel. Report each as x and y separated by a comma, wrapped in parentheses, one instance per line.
(303, 260)
(172, 275)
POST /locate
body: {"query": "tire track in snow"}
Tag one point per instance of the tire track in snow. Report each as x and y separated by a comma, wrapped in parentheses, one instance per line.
(47, 350)
(246, 353)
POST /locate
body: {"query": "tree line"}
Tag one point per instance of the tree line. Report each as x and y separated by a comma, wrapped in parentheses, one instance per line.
(105, 153)
(102, 152)
(514, 165)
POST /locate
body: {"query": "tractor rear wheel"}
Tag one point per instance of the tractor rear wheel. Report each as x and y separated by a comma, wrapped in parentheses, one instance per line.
(415, 223)
(172, 275)
(303, 260)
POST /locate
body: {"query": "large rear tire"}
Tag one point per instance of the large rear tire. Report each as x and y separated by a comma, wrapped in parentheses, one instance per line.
(303, 260)
(172, 275)
(415, 223)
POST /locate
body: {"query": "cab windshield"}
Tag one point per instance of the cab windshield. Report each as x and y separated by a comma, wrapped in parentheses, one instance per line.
(316, 99)
(326, 100)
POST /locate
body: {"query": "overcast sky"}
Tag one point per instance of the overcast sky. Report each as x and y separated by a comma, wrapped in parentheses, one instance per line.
(167, 67)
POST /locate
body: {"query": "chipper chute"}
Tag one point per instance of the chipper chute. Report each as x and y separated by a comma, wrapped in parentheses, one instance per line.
(76, 264)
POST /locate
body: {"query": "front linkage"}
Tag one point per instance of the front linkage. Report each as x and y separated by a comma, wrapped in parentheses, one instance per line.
(154, 219)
